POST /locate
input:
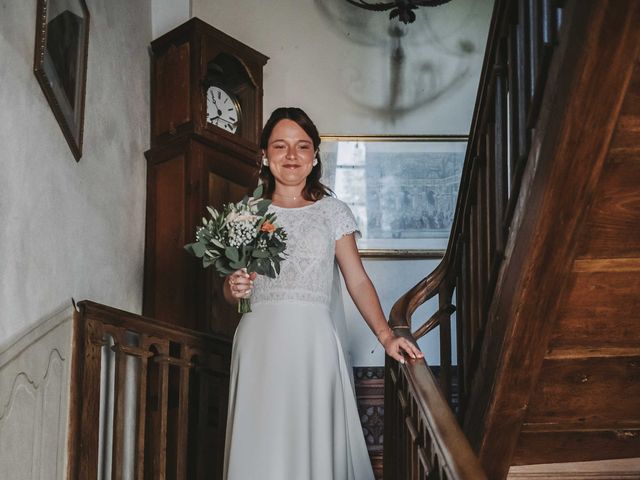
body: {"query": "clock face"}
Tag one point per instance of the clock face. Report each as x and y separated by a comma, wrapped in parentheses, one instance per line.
(223, 110)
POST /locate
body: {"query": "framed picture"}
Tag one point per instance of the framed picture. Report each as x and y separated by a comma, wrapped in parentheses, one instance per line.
(402, 190)
(60, 65)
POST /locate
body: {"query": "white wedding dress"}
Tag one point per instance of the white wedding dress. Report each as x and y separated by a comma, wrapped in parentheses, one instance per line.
(292, 410)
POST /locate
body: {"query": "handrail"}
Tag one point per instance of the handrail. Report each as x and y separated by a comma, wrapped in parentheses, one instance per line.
(148, 398)
(522, 38)
(422, 437)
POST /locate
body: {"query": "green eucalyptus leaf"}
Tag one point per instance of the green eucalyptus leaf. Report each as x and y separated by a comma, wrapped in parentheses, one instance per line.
(245, 252)
(271, 270)
(232, 254)
(217, 243)
(257, 193)
(260, 266)
(263, 205)
(237, 265)
(198, 249)
(221, 264)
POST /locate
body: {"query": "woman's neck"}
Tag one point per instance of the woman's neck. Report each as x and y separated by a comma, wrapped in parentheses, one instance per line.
(289, 197)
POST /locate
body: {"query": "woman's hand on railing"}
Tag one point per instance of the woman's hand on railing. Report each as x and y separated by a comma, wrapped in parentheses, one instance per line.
(239, 285)
(395, 346)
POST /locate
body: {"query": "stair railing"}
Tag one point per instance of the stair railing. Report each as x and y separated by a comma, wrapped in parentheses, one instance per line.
(421, 441)
(148, 398)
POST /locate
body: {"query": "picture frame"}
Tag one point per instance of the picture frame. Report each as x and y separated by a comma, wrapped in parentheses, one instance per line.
(60, 63)
(401, 189)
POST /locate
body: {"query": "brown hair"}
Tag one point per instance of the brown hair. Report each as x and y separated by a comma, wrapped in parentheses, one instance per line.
(313, 190)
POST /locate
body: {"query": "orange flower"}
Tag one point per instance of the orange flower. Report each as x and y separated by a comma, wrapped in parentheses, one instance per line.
(268, 227)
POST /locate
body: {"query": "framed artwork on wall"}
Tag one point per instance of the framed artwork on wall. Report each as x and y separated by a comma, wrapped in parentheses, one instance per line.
(402, 190)
(60, 64)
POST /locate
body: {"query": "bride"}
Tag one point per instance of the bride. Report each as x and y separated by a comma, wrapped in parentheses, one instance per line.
(292, 410)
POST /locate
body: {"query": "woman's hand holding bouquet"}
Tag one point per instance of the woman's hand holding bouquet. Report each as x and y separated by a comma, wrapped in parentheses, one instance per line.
(241, 238)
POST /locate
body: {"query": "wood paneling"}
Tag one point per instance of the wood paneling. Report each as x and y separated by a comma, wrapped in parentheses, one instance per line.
(618, 469)
(613, 227)
(585, 405)
(601, 310)
(587, 393)
(559, 182)
(576, 446)
(171, 95)
(169, 236)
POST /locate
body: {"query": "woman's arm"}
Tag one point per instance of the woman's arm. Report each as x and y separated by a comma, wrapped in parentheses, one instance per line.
(366, 299)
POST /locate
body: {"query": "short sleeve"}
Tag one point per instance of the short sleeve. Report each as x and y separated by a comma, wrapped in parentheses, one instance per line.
(343, 221)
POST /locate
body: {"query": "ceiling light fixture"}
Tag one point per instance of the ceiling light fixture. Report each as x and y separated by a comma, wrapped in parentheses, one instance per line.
(403, 9)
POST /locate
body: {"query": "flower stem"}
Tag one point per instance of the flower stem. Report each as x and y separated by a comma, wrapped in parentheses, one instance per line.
(244, 305)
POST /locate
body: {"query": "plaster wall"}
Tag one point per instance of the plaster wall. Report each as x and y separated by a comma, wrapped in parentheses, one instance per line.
(392, 279)
(166, 14)
(72, 229)
(341, 65)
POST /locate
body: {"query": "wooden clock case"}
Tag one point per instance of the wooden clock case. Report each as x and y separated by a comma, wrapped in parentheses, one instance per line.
(192, 164)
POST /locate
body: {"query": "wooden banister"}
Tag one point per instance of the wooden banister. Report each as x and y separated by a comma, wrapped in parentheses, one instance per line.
(422, 437)
(148, 398)
(522, 39)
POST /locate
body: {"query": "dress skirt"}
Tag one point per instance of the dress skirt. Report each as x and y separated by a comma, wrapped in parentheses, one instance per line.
(292, 411)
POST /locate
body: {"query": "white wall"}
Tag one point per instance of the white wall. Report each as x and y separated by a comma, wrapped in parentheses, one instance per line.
(334, 60)
(73, 229)
(167, 14)
(392, 278)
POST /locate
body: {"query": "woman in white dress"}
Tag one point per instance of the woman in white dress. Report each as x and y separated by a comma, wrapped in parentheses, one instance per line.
(292, 410)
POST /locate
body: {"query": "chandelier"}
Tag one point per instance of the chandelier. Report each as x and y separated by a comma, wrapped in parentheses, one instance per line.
(403, 9)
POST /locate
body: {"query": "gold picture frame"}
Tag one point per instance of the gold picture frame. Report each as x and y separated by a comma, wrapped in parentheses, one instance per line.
(401, 189)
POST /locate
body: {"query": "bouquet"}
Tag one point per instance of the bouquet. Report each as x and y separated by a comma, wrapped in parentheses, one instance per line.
(242, 235)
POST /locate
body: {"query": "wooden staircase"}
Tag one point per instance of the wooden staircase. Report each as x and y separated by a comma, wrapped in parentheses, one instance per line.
(544, 257)
(542, 272)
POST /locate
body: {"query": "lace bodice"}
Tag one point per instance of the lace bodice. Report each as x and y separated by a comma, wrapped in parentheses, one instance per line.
(307, 273)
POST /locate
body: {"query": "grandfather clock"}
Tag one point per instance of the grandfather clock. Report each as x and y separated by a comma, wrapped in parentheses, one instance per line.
(206, 116)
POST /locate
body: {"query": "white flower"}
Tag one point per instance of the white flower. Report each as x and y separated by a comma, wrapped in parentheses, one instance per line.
(242, 230)
(244, 216)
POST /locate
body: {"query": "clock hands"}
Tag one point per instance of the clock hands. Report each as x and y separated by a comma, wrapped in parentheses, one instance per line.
(219, 114)
(229, 125)
(228, 122)
(213, 97)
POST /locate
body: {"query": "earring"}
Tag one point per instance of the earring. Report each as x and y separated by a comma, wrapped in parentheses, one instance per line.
(265, 161)
(315, 162)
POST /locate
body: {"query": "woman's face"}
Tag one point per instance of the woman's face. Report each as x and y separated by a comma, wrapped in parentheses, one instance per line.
(290, 152)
